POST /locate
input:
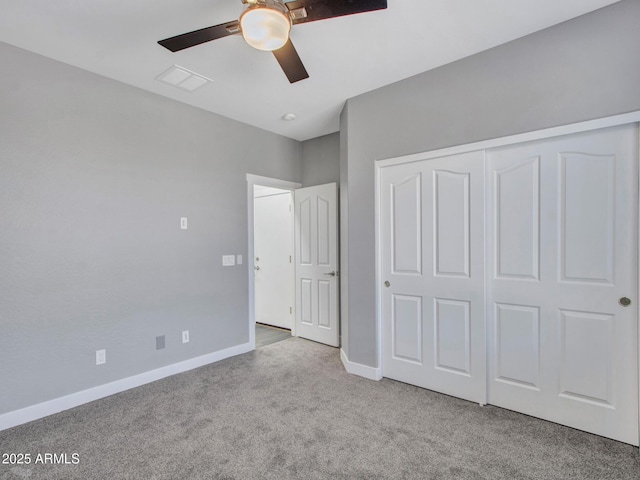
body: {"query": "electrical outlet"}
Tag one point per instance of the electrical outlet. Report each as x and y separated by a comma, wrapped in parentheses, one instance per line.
(101, 357)
(185, 336)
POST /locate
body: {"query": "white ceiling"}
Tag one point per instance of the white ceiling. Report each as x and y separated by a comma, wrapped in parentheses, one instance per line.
(344, 56)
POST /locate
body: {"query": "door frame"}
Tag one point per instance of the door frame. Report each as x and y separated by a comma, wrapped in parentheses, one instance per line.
(579, 127)
(267, 182)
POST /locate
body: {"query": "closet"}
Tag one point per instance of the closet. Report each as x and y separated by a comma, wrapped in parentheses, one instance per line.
(509, 277)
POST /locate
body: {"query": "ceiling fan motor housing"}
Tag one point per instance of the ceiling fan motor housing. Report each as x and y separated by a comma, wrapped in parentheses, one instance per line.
(265, 24)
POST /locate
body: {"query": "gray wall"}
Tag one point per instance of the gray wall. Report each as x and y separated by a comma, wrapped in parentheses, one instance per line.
(321, 160)
(94, 177)
(583, 69)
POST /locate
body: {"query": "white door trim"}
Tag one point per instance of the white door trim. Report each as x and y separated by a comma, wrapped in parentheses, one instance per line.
(597, 124)
(616, 120)
(638, 272)
(267, 182)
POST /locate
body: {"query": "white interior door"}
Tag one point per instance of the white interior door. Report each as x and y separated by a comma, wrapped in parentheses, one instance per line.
(432, 243)
(273, 258)
(562, 229)
(316, 253)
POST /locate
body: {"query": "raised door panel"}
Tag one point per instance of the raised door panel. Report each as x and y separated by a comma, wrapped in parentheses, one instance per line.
(451, 240)
(406, 328)
(406, 225)
(516, 234)
(517, 340)
(586, 354)
(587, 240)
(452, 336)
(323, 232)
(324, 303)
(306, 301)
(305, 246)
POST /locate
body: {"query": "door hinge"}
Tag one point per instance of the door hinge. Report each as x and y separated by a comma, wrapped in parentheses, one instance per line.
(290, 310)
(289, 258)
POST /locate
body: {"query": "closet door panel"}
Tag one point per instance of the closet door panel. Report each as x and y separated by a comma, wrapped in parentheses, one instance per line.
(563, 223)
(432, 292)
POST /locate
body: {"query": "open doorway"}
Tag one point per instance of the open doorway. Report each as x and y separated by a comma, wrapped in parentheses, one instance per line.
(271, 255)
(273, 263)
(311, 307)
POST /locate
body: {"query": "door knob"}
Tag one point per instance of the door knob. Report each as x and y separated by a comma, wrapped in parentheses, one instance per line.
(333, 274)
(387, 283)
(624, 301)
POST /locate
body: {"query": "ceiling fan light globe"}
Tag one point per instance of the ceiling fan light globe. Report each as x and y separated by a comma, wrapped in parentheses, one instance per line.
(265, 28)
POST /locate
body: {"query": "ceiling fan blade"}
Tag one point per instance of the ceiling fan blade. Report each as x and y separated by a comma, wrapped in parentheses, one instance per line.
(290, 62)
(191, 39)
(323, 9)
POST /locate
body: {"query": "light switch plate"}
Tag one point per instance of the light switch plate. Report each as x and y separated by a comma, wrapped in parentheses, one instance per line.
(101, 357)
(183, 223)
(239, 259)
(228, 260)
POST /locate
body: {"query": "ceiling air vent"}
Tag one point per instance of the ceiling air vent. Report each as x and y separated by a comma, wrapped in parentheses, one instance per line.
(182, 78)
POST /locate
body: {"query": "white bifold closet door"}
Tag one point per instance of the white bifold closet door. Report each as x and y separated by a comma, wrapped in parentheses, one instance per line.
(538, 239)
(432, 239)
(562, 259)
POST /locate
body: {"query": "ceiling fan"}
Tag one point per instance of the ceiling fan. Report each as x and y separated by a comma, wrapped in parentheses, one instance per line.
(265, 25)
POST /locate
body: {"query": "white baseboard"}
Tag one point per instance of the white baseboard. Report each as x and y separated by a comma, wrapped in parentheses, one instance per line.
(44, 409)
(372, 373)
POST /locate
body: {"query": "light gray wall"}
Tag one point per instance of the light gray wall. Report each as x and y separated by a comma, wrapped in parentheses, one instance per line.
(583, 69)
(321, 160)
(94, 177)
